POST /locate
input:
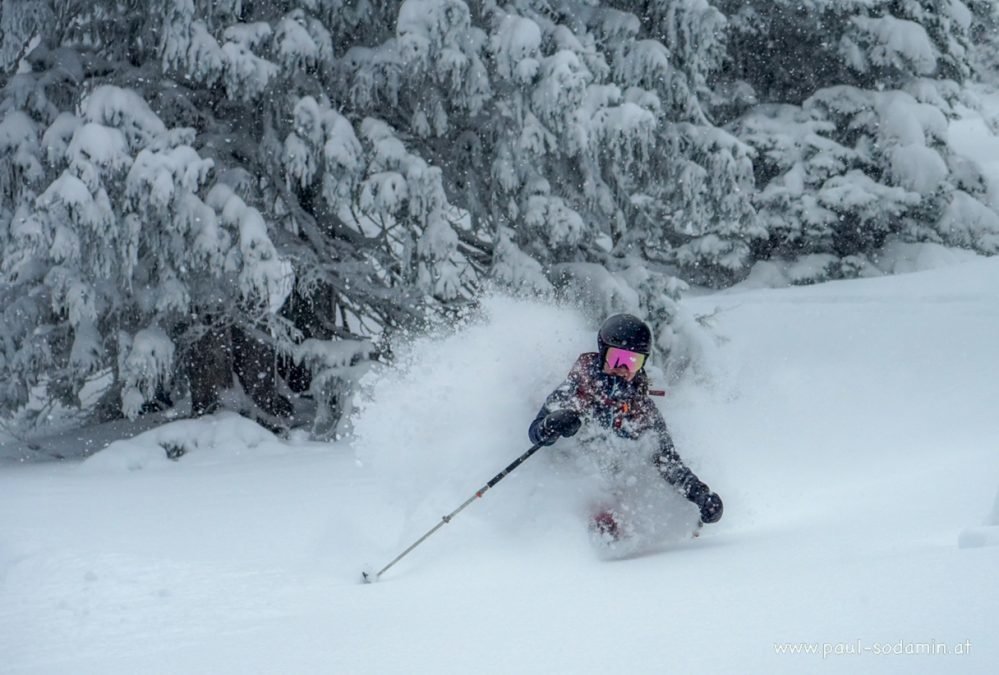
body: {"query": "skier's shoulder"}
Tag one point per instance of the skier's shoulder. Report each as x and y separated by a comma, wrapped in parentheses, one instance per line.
(586, 364)
(642, 383)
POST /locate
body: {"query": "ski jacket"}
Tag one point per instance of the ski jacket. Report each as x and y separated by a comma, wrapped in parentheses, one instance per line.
(621, 406)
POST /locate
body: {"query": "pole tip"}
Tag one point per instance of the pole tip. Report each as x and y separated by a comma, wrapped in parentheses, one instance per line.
(366, 578)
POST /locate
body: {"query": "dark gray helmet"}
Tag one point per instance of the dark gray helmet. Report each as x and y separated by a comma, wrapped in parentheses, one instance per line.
(625, 332)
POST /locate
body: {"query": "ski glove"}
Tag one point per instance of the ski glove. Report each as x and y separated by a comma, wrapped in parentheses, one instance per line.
(711, 507)
(559, 423)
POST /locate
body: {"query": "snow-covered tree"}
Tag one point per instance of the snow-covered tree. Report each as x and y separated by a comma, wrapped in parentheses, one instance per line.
(850, 132)
(984, 35)
(200, 197)
(572, 128)
(118, 251)
(171, 251)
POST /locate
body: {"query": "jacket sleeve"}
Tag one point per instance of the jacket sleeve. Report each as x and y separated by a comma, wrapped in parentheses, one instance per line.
(667, 460)
(564, 397)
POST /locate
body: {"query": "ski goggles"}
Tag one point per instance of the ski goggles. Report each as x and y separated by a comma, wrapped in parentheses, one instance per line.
(622, 358)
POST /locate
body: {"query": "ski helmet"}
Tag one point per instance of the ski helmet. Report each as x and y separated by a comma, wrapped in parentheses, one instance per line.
(625, 331)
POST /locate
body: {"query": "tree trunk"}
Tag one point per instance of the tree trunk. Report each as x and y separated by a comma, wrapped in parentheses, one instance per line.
(255, 366)
(209, 371)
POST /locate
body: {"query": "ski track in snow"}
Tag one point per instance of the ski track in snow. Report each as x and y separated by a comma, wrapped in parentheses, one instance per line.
(850, 428)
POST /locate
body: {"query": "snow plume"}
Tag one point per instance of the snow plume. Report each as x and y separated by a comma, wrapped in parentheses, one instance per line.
(455, 409)
(601, 292)
(334, 366)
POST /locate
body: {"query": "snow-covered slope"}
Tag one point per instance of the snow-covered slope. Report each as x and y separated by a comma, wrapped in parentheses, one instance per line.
(850, 427)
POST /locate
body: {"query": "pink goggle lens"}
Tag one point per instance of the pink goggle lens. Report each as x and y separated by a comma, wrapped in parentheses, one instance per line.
(622, 358)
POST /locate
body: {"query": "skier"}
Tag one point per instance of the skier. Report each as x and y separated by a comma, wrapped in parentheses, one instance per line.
(610, 388)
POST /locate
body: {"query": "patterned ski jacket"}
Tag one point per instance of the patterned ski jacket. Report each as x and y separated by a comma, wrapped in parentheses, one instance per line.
(623, 407)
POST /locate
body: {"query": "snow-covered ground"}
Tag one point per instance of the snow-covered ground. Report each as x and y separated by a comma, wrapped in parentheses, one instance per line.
(851, 428)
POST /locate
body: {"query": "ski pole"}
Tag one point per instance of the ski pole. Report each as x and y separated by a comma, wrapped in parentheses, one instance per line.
(447, 519)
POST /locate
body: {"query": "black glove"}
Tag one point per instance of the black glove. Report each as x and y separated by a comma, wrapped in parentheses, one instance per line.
(707, 501)
(559, 423)
(711, 507)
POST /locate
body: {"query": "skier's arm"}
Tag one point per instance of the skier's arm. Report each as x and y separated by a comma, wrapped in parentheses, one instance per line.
(562, 399)
(671, 467)
(666, 459)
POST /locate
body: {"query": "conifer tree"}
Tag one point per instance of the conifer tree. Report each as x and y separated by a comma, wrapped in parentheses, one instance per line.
(851, 130)
(239, 201)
